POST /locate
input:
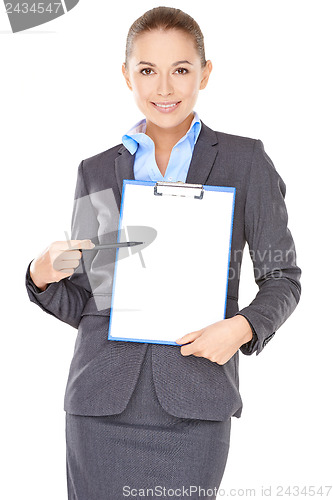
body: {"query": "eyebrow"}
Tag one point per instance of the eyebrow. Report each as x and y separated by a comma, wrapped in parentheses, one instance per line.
(173, 64)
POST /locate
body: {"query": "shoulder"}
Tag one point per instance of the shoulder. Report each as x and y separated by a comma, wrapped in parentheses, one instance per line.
(241, 157)
(232, 148)
(103, 157)
(238, 143)
(97, 171)
(236, 153)
(226, 139)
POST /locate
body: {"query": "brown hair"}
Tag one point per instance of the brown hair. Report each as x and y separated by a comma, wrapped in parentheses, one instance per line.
(166, 18)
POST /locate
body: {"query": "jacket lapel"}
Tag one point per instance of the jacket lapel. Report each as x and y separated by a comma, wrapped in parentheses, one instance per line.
(204, 154)
(124, 167)
(202, 161)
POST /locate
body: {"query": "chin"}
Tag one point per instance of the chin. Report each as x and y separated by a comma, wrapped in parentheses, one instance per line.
(168, 122)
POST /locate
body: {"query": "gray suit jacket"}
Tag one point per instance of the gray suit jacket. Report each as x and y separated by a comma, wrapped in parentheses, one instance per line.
(103, 373)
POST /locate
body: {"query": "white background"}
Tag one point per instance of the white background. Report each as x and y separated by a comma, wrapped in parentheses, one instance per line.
(63, 99)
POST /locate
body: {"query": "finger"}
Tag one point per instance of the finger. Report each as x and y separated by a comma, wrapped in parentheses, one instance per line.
(75, 244)
(66, 273)
(70, 255)
(186, 349)
(191, 348)
(62, 265)
(84, 244)
(189, 337)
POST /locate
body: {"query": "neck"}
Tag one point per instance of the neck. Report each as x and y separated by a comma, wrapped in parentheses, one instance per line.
(165, 138)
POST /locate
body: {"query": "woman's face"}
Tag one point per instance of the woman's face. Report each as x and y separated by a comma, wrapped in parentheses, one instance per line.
(165, 74)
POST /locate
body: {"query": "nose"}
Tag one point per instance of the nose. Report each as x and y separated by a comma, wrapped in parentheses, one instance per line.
(164, 85)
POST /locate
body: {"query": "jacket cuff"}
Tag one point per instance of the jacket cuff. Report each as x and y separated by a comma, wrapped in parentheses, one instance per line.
(258, 341)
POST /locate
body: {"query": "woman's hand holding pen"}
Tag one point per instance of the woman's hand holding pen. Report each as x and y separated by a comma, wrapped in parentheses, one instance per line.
(58, 261)
(217, 342)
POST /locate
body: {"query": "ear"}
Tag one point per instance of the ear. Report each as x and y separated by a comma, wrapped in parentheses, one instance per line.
(205, 74)
(126, 76)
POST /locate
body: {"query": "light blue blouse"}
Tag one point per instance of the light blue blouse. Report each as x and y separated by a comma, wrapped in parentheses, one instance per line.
(145, 167)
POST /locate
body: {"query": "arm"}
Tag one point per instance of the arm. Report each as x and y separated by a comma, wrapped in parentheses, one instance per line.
(273, 255)
(67, 298)
(63, 299)
(272, 251)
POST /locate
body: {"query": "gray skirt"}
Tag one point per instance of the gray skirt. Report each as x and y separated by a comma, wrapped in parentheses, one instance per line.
(144, 452)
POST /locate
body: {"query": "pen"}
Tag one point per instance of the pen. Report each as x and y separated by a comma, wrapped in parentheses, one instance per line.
(115, 245)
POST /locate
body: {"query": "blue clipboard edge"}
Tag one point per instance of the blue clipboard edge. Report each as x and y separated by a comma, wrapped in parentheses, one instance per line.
(149, 341)
(152, 183)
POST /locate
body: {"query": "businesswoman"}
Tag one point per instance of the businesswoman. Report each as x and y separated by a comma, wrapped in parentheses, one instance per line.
(142, 415)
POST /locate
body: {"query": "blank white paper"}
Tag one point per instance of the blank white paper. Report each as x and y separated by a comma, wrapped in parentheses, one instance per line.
(183, 286)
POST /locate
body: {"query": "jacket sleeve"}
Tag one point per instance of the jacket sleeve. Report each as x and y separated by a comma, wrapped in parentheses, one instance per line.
(67, 298)
(272, 251)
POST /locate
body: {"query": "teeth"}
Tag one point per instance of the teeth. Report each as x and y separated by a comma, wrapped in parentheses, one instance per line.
(165, 105)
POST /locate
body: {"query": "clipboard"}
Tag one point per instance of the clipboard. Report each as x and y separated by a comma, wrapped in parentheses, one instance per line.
(177, 282)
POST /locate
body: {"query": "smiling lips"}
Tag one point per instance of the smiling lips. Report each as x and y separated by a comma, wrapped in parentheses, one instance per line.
(166, 107)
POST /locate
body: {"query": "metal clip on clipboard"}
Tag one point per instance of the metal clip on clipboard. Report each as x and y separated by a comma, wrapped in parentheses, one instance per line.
(179, 188)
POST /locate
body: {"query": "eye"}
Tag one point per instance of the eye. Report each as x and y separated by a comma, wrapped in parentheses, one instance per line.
(146, 69)
(183, 71)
